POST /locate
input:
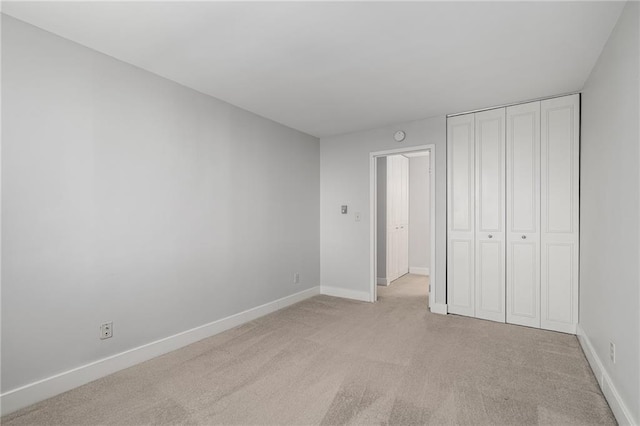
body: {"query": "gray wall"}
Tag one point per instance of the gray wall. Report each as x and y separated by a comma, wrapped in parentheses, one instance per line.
(381, 208)
(419, 238)
(344, 169)
(130, 198)
(609, 208)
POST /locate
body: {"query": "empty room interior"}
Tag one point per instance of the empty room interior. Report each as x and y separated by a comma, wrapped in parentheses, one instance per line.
(299, 213)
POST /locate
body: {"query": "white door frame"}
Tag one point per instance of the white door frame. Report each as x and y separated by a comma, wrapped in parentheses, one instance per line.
(373, 242)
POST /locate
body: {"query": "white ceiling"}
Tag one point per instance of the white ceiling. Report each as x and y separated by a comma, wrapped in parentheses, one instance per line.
(332, 68)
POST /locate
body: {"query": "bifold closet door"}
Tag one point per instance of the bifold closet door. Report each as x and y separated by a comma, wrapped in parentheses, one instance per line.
(523, 214)
(490, 215)
(559, 207)
(403, 238)
(393, 214)
(397, 216)
(460, 215)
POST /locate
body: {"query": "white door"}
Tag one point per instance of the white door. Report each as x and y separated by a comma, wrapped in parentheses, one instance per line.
(404, 216)
(398, 216)
(559, 218)
(490, 214)
(392, 218)
(460, 215)
(523, 214)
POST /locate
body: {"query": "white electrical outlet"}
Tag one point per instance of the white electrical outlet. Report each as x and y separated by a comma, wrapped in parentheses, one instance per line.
(296, 278)
(106, 330)
(612, 352)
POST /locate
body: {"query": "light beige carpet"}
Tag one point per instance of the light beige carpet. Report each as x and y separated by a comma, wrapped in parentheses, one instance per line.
(334, 361)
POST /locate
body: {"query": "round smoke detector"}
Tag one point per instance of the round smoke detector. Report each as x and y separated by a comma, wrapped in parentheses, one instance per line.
(399, 136)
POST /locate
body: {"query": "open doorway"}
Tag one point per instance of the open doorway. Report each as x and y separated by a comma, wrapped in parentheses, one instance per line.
(403, 227)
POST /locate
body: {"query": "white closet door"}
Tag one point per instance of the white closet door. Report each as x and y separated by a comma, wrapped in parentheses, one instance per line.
(404, 190)
(559, 218)
(490, 214)
(523, 214)
(392, 190)
(398, 214)
(404, 216)
(392, 215)
(460, 212)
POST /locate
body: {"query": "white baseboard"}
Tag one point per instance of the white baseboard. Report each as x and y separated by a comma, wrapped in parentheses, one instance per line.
(558, 326)
(382, 281)
(418, 270)
(29, 394)
(346, 294)
(620, 410)
(439, 308)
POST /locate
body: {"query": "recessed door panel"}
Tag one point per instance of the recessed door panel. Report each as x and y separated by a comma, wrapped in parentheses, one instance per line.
(523, 214)
(461, 155)
(524, 153)
(490, 292)
(558, 169)
(558, 282)
(524, 289)
(461, 278)
(490, 170)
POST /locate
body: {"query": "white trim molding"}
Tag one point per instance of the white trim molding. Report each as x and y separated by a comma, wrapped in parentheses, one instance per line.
(418, 270)
(24, 396)
(439, 308)
(620, 410)
(344, 293)
(383, 281)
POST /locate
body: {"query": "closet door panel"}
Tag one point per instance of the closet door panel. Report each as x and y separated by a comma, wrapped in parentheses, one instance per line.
(490, 214)
(460, 215)
(523, 292)
(404, 190)
(559, 213)
(490, 281)
(404, 215)
(461, 174)
(392, 218)
(558, 283)
(461, 277)
(523, 214)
